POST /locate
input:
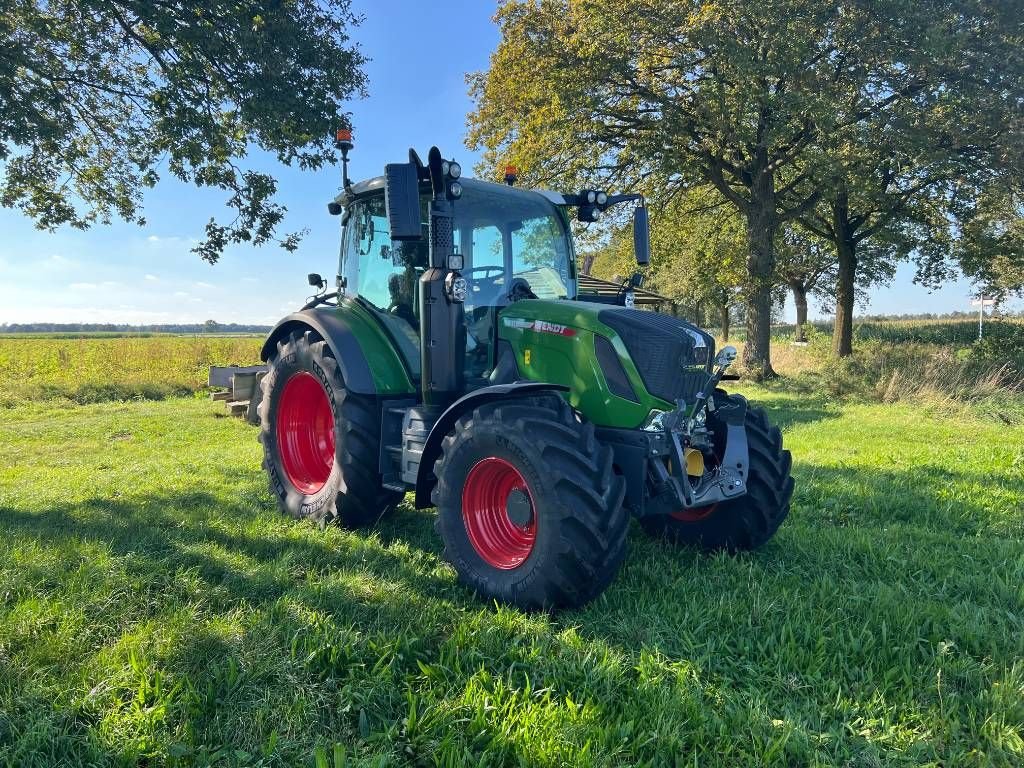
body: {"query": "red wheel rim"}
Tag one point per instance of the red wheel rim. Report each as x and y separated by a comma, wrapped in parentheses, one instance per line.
(693, 515)
(305, 433)
(485, 498)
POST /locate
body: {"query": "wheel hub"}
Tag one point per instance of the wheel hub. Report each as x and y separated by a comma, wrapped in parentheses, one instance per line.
(305, 433)
(498, 511)
(518, 508)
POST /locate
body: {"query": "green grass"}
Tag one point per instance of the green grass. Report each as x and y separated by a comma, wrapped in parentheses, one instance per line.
(156, 610)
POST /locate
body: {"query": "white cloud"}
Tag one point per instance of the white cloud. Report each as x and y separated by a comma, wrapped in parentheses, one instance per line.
(201, 284)
(172, 240)
(152, 278)
(250, 280)
(83, 286)
(181, 294)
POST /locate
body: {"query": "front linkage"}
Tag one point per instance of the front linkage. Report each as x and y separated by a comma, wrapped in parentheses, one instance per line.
(688, 443)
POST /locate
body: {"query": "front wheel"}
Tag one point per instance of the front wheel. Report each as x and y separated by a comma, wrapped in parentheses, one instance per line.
(321, 443)
(529, 508)
(750, 520)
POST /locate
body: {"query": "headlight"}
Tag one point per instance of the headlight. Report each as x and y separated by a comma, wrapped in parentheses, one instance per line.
(654, 422)
(457, 287)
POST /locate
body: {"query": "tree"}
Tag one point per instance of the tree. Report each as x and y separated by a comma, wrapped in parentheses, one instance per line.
(654, 96)
(698, 252)
(989, 248)
(766, 101)
(948, 97)
(806, 265)
(99, 98)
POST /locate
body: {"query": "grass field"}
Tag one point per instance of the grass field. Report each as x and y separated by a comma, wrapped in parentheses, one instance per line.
(156, 610)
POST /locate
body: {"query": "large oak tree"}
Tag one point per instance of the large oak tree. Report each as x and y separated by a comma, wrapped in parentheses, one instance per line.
(100, 98)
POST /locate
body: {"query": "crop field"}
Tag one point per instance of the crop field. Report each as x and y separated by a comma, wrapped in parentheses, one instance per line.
(156, 610)
(99, 368)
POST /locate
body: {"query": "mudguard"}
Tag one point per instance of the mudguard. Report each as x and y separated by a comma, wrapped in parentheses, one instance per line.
(432, 448)
(331, 325)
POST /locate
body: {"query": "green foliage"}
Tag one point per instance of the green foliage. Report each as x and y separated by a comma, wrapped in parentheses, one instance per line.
(991, 247)
(98, 99)
(156, 609)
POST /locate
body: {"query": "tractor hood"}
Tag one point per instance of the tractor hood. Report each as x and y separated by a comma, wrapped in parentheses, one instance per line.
(619, 363)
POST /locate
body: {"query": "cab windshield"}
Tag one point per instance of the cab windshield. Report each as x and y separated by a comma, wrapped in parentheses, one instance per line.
(505, 233)
(510, 240)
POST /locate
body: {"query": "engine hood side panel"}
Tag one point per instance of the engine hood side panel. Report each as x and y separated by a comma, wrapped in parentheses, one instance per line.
(553, 341)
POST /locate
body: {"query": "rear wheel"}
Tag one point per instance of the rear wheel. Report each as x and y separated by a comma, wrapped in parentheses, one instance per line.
(321, 443)
(529, 509)
(748, 521)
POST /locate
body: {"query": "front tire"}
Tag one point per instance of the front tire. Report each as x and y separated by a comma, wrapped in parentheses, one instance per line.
(529, 508)
(746, 522)
(321, 443)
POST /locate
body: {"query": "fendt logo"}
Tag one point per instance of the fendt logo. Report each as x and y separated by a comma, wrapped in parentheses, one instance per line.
(539, 326)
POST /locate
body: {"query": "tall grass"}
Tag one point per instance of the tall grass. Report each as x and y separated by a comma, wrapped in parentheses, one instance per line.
(897, 366)
(85, 370)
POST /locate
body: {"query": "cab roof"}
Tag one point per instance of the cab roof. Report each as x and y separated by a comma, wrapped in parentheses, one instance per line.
(375, 184)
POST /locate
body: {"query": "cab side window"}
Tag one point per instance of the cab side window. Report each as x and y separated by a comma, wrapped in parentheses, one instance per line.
(383, 273)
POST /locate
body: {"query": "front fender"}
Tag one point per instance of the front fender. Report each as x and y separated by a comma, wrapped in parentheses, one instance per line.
(432, 448)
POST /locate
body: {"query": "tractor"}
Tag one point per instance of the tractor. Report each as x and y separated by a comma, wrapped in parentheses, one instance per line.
(455, 361)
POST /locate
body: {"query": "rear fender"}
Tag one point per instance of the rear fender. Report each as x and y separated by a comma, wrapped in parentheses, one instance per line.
(425, 479)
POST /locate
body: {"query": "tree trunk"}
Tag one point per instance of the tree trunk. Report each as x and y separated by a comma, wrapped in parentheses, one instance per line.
(761, 225)
(846, 247)
(799, 289)
(723, 315)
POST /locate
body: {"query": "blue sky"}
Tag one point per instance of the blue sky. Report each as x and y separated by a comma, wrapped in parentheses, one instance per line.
(123, 273)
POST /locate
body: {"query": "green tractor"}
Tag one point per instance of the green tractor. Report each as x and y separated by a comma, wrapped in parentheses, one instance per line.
(456, 361)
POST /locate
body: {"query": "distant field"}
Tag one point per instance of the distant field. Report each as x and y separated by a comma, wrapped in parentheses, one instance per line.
(938, 331)
(93, 369)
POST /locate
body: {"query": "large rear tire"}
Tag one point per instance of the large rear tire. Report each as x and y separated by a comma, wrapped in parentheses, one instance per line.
(746, 522)
(321, 443)
(529, 508)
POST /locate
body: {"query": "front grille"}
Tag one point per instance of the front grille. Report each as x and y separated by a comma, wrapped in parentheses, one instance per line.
(672, 356)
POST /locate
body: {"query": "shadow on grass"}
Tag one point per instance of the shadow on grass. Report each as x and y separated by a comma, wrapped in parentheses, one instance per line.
(839, 618)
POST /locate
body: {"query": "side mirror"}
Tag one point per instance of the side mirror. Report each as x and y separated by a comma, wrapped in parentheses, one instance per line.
(726, 356)
(402, 200)
(315, 280)
(641, 236)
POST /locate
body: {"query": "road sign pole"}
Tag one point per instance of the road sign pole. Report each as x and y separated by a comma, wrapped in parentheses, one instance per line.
(981, 315)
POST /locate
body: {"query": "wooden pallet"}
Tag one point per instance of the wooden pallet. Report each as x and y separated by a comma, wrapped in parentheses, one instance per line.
(239, 388)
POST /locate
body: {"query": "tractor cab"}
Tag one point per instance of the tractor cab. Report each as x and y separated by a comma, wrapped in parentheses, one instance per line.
(514, 244)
